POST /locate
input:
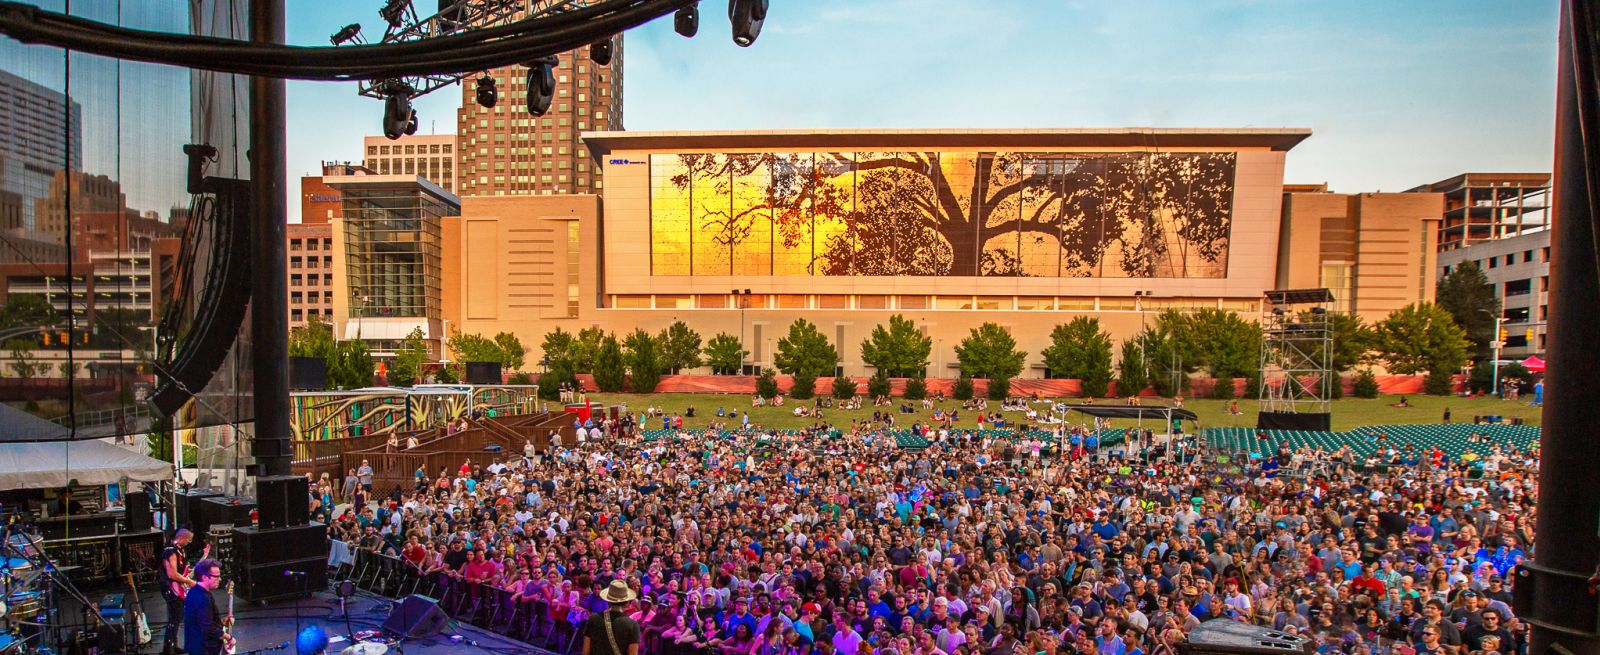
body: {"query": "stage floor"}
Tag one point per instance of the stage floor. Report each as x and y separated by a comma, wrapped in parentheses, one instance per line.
(260, 627)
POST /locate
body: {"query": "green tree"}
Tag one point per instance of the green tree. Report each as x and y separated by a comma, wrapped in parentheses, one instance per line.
(680, 348)
(1132, 377)
(1352, 341)
(409, 360)
(767, 384)
(473, 347)
(989, 351)
(1366, 384)
(916, 389)
(512, 353)
(69, 370)
(1163, 361)
(353, 368)
(999, 388)
(805, 351)
(961, 389)
(521, 378)
(900, 351)
(1222, 343)
(557, 344)
(724, 354)
(844, 388)
(643, 359)
(314, 339)
(1466, 294)
(1482, 378)
(1080, 350)
(1439, 382)
(1420, 337)
(803, 386)
(609, 371)
(23, 363)
(558, 373)
(27, 310)
(878, 386)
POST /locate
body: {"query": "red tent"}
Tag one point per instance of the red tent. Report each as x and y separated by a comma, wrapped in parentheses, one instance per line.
(1533, 364)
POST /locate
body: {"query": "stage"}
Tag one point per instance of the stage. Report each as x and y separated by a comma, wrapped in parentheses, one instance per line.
(260, 627)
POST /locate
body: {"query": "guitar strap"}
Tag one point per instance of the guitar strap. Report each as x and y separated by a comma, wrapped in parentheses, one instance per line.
(611, 635)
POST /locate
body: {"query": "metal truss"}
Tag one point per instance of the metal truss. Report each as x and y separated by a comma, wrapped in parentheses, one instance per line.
(1297, 353)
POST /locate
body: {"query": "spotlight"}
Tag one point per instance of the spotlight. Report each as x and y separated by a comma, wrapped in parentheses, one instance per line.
(487, 94)
(746, 16)
(398, 116)
(687, 20)
(541, 85)
(600, 51)
(394, 12)
(346, 34)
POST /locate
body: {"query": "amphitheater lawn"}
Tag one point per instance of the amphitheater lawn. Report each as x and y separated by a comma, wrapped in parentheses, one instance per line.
(1347, 413)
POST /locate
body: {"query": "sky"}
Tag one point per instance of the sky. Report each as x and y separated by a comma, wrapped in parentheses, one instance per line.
(1397, 94)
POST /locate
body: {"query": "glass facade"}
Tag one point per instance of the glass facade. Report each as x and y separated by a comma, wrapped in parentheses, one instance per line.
(103, 252)
(989, 214)
(392, 250)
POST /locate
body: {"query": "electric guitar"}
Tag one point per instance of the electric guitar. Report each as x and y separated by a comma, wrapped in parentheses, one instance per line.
(227, 624)
(177, 588)
(138, 616)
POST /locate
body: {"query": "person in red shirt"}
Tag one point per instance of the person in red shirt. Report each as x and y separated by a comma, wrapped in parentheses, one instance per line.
(415, 553)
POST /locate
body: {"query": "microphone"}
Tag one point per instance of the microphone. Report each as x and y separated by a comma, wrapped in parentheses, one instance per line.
(290, 574)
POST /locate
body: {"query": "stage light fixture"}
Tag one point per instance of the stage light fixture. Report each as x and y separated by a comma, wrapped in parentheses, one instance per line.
(346, 34)
(687, 20)
(398, 117)
(541, 85)
(394, 12)
(600, 51)
(746, 17)
(488, 95)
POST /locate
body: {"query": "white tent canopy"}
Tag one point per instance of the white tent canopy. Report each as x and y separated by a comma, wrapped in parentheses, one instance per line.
(51, 464)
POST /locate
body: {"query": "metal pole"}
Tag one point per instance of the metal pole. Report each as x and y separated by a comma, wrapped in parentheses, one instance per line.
(269, 302)
(1494, 362)
(1569, 503)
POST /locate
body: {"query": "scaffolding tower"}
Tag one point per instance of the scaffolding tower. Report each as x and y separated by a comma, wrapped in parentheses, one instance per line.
(1297, 353)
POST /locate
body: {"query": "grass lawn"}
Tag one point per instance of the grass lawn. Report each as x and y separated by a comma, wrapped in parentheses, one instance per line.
(1347, 413)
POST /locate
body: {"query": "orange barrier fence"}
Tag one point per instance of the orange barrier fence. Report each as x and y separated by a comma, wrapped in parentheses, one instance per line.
(1198, 387)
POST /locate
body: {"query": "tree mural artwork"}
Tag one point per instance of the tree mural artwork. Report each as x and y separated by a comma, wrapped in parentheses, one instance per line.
(1032, 214)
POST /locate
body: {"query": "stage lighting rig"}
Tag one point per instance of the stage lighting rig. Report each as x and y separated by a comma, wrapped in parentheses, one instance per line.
(600, 51)
(686, 21)
(541, 85)
(746, 17)
(346, 34)
(487, 94)
(399, 118)
(397, 12)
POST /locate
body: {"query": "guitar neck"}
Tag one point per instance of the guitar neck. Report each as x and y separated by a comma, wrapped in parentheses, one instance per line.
(228, 626)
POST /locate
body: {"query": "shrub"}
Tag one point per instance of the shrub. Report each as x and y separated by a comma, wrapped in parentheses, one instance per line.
(767, 384)
(1366, 385)
(521, 377)
(844, 388)
(1164, 385)
(916, 388)
(962, 389)
(1222, 389)
(805, 387)
(1438, 383)
(999, 388)
(1335, 386)
(878, 386)
(1252, 387)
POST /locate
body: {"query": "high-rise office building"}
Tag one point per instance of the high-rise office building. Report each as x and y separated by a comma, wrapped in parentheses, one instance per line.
(1487, 206)
(429, 156)
(507, 151)
(43, 134)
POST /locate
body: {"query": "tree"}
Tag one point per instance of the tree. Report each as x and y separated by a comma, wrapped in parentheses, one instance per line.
(1352, 341)
(999, 388)
(557, 344)
(1439, 382)
(408, 361)
(767, 384)
(23, 363)
(989, 351)
(803, 387)
(473, 347)
(1466, 294)
(921, 213)
(1080, 350)
(69, 370)
(314, 339)
(27, 310)
(1420, 337)
(643, 360)
(1163, 362)
(585, 347)
(1220, 342)
(353, 367)
(961, 389)
(724, 354)
(900, 351)
(916, 389)
(121, 328)
(609, 372)
(680, 348)
(522, 378)
(878, 386)
(844, 388)
(1482, 378)
(559, 373)
(1366, 384)
(1132, 377)
(805, 351)
(512, 352)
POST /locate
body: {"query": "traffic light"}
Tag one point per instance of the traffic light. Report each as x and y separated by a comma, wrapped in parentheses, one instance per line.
(1504, 333)
(85, 338)
(65, 338)
(44, 336)
(1529, 336)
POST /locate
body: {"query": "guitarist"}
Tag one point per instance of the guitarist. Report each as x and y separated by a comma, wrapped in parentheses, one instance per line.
(173, 574)
(203, 629)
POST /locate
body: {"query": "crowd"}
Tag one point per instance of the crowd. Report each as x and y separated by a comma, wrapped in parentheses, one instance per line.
(839, 542)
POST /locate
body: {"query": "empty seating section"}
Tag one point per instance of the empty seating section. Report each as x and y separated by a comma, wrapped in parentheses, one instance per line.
(1454, 439)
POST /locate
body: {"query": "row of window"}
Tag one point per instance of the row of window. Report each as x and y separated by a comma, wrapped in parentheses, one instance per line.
(324, 243)
(919, 302)
(296, 298)
(425, 149)
(311, 280)
(297, 315)
(311, 262)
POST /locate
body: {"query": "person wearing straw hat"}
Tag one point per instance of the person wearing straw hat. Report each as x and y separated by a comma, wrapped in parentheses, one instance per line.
(611, 632)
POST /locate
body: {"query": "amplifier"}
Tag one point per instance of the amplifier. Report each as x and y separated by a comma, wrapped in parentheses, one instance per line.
(219, 510)
(282, 580)
(188, 506)
(253, 545)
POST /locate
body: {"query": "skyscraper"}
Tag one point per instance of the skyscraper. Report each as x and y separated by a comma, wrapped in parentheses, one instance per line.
(429, 156)
(43, 135)
(507, 151)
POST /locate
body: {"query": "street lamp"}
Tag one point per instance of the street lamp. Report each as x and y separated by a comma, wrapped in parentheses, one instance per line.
(743, 298)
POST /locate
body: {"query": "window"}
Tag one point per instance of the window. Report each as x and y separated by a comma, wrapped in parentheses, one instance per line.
(630, 302)
(1544, 254)
(1517, 288)
(790, 301)
(1527, 256)
(1031, 304)
(994, 303)
(1494, 262)
(952, 302)
(872, 302)
(833, 302)
(674, 302)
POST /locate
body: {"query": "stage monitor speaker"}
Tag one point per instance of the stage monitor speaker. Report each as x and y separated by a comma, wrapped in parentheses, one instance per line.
(188, 506)
(416, 617)
(483, 373)
(136, 511)
(308, 373)
(1229, 637)
(254, 546)
(1293, 421)
(284, 500)
(282, 580)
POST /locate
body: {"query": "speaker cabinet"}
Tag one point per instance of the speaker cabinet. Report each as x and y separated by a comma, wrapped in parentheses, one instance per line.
(416, 617)
(1229, 637)
(308, 373)
(253, 545)
(284, 500)
(136, 511)
(188, 507)
(220, 510)
(483, 373)
(282, 580)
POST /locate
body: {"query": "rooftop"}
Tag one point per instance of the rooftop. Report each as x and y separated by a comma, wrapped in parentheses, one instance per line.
(1143, 137)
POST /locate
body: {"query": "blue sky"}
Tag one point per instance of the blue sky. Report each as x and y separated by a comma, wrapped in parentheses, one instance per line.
(1397, 93)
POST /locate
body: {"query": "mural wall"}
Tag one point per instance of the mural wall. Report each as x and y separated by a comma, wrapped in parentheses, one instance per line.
(1034, 214)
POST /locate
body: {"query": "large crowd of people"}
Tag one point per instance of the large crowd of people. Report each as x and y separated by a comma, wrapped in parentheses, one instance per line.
(839, 542)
